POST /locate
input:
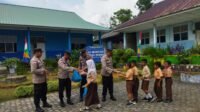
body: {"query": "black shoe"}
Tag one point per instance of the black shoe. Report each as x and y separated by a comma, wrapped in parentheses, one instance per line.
(150, 99)
(103, 99)
(47, 105)
(62, 104)
(129, 103)
(145, 98)
(70, 102)
(39, 109)
(113, 98)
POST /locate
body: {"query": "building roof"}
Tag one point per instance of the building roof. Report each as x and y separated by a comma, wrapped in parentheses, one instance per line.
(32, 16)
(161, 9)
(110, 34)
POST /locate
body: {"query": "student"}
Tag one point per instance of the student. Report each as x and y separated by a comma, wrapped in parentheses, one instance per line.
(64, 79)
(129, 83)
(145, 80)
(39, 80)
(168, 81)
(135, 81)
(92, 97)
(158, 81)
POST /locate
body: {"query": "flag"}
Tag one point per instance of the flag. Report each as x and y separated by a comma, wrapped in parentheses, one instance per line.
(26, 55)
(139, 45)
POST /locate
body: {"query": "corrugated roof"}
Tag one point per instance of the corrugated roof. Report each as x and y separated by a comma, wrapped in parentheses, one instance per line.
(161, 9)
(32, 16)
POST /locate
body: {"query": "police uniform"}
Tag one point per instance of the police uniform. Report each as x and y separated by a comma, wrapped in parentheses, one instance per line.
(39, 81)
(64, 79)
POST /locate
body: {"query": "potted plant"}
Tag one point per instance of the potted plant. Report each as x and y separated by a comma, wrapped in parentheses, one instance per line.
(11, 64)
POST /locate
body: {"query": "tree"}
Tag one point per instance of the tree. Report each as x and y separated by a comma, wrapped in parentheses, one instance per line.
(120, 17)
(144, 5)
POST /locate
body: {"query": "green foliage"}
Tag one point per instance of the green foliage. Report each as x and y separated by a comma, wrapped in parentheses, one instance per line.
(24, 91)
(10, 62)
(172, 58)
(75, 58)
(121, 56)
(183, 58)
(195, 50)
(144, 5)
(51, 63)
(195, 59)
(22, 68)
(98, 66)
(154, 52)
(120, 17)
(52, 86)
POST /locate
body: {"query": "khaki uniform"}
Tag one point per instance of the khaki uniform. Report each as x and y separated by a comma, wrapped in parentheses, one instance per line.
(158, 81)
(64, 68)
(107, 66)
(107, 78)
(168, 82)
(39, 80)
(37, 69)
(146, 76)
(135, 83)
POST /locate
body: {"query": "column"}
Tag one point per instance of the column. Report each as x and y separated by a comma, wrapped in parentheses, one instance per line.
(100, 40)
(154, 35)
(69, 41)
(124, 40)
(109, 44)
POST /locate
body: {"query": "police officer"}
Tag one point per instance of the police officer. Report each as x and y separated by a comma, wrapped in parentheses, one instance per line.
(83, 71)
(64, 79)
(107, 75)
(39, 80)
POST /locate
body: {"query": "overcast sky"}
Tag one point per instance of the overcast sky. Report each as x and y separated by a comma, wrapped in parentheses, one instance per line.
(95, 11)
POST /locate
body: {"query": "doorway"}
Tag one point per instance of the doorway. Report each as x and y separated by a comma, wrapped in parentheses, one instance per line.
(39, 42)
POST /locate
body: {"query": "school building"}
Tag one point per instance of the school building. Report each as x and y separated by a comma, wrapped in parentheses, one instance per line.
(168, 23)
(54, 31)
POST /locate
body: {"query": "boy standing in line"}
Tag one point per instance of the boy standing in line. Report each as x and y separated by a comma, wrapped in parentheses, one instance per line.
(136, 81)
(158, 82)
(168, 81)
(145, 80)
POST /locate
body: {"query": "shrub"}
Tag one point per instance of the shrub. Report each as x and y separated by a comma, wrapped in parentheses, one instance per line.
(172, 58)
(22, 68)
(154, 52)
(195, 59)
(98, 66)
(24, 91)
(75, 57)
(195, 50)
(51, 63)
(11, 62)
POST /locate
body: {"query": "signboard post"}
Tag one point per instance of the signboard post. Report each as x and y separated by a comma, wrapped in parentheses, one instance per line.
(95, 52)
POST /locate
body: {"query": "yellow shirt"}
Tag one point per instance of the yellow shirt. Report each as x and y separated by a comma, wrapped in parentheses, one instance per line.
(146, 72)
(129, 74)
(167, 72)
(158, 73)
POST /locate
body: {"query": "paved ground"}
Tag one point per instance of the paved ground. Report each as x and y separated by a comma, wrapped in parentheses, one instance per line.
(186, 99)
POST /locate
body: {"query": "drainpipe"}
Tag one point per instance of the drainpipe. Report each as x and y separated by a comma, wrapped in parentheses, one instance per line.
(124, 40)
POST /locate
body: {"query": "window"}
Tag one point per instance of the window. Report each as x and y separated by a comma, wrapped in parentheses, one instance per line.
(145, 38)
(181, 33)
(161, 38)
(8, 44)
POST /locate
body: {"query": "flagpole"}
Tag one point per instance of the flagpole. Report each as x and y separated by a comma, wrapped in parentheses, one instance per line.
(139, 46)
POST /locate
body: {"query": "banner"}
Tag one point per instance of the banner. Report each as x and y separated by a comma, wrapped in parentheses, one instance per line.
(95, 52)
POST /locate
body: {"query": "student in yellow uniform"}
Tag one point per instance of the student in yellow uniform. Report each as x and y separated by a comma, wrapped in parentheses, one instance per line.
(167, 72)
(136, 81)
(145, 80)
(129, 83)
(158, 82)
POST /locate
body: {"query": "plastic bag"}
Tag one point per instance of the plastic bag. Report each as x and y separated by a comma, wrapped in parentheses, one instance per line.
(76, 77)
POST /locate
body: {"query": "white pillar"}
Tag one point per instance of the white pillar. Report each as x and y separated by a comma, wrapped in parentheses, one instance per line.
(154, 35)
(124, 40)
(109, 44)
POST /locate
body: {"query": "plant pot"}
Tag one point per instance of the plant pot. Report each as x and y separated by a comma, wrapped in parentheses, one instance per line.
(12, 70)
